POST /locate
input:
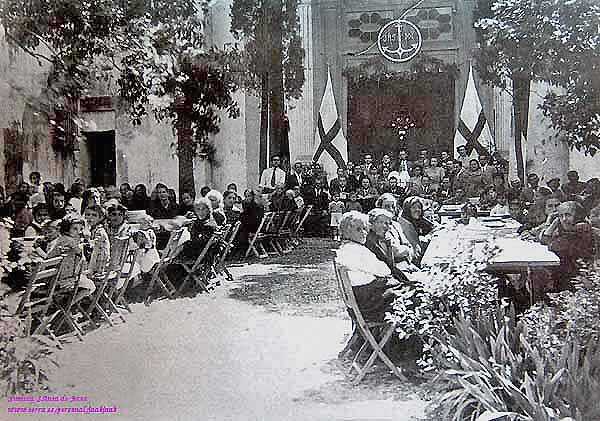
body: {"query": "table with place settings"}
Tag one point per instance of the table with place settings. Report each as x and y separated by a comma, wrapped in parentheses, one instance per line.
(515, 254)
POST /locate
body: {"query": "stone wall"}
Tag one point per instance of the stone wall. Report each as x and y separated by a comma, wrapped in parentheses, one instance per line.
(22, 88)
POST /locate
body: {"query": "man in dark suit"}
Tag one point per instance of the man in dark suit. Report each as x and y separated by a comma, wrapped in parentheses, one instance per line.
(295, 177)
(403, 164)
(335, 183)
(318, 221)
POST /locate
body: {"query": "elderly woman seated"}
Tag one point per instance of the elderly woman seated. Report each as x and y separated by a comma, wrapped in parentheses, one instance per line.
(404, 254)
(371, 278)
(415, 226)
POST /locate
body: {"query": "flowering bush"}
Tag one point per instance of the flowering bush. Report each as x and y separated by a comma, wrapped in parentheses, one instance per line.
(459, 287)
(566, 317)
(491, 371)
(16, 265)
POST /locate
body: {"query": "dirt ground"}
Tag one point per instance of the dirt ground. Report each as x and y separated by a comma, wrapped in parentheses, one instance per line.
(263, 347)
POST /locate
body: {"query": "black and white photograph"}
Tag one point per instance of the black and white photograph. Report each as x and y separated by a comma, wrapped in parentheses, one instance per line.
(300, 210)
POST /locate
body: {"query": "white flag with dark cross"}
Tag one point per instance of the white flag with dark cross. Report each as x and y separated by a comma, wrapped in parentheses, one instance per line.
(473, 130)
(332, 148)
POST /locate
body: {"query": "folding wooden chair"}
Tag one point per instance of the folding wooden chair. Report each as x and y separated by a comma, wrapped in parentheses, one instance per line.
(198, 269)
(285, 231)
(230, 237)
(118, 292)
(158, 277)
(256, 246)
(301, 220)
(65, 300)
(272, 235)
(38, 296)
(365, 330)
(101, 296)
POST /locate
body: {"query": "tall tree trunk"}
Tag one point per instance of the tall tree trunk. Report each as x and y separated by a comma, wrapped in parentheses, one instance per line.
(264, 39)
(185, 151)
(264, 121)
(277, 104)
(521, 86)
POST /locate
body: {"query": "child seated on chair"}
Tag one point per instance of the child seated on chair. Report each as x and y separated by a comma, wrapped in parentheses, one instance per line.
(147, 256)
(69, 244)
(100, 244)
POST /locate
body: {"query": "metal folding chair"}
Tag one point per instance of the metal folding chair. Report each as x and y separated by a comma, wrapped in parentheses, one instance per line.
(365, 330)
(256, 246)
(38, 297)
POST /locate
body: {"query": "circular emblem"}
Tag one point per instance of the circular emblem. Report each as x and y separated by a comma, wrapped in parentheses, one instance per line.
(399, 41)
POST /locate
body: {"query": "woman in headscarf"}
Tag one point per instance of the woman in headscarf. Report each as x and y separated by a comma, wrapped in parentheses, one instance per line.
(140, 199)
(404, 254)
(414, 225)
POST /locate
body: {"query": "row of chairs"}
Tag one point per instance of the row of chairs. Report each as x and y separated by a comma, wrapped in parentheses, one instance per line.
(53, 297)
(277, 232)
(52, 304)
(199, 271)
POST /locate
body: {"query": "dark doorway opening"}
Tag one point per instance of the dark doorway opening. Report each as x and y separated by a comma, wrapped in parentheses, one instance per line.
(374, 104)
(102, 151)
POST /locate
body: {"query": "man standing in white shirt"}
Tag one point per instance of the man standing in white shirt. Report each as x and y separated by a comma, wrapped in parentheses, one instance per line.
(272, 176)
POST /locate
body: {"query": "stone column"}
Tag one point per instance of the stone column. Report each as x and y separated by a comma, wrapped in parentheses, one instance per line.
(300, 112)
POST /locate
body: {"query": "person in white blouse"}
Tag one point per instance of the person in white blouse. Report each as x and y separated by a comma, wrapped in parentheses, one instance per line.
(371, 279)
(272, 176)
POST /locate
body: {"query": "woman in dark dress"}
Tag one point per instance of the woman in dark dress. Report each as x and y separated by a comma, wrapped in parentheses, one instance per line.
(252, 214)
(161, 206)
(187, 203)
(140, 200)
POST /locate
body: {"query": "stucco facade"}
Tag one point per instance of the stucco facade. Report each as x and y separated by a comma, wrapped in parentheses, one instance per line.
(334, 33)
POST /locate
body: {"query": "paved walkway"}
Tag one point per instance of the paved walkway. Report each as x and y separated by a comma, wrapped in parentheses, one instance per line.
(231, 355)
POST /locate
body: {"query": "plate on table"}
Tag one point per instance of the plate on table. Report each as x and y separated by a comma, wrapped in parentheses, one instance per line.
(494, 224)
(491, 219)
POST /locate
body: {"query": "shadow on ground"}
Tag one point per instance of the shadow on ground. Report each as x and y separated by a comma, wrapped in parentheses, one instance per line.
(379, 384)
(299, 283)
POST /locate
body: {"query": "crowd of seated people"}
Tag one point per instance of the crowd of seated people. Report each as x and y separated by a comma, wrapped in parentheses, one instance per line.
(410, 189)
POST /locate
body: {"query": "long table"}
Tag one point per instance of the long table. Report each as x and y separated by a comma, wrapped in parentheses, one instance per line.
(516, 255)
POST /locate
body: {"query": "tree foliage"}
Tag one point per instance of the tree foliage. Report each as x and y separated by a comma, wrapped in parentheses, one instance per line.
(252, 22)
(556, 41)
(272, 55)
(155, 50)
